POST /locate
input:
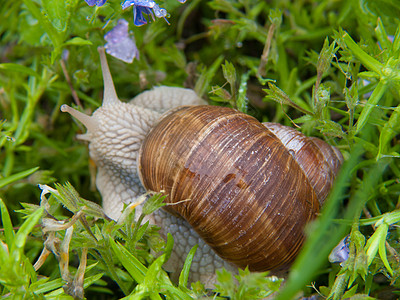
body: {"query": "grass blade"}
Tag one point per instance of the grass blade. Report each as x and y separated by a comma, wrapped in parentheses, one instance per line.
(17, 176)
(134, 267)
(23, 232)
(184, 276)
(7, 225)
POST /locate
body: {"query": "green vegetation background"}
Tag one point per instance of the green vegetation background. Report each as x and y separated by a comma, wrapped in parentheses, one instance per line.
(330, 68)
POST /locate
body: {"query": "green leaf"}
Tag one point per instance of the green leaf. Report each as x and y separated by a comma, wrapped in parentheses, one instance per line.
(78, 41)
(175, 293)
(360, 262)
(54, 35)
(68, 196)
(275, 16)
(22, 234)
(362, 297)
(242, 101)
(91, 279)
(325, 57)
(134, 267)
(371, 104)
(382, 247)
(374, 242)
(368, 61)
(368, 75)
(12, 178)
(383, 38)
(229, 72)
(331, 128)
(322, 96)
(168, 246)
(44, 286)
(60, 293)
(57, 13)
(151, 278)
(19, 68)
(338, 287)
(184, 276)
(390, 8)
(4, 257)
(388, 132)
(222, 95)
(206, 75)
(324, 290)
(156, 281)
(226, 284)
(396, 42)
(350, 293)
(276, 94)
(246, 285)
(141, 231)
(153, 203)
(7, 225)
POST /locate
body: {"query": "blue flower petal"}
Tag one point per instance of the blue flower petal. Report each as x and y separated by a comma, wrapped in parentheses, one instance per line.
(159, 12)
(143, 3)
(341, 252)
(138, 15)
(91, 2)
(145, 7)
(127, 3)
(100, 2)
(120, 44)
(95, 2)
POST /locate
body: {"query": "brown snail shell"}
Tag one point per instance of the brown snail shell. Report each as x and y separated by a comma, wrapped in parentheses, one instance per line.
(237, 183)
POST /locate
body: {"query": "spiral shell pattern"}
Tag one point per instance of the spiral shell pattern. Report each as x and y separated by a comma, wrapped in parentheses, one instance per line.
(234, 181)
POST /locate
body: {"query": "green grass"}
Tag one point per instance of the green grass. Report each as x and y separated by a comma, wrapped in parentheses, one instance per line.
(330, 68)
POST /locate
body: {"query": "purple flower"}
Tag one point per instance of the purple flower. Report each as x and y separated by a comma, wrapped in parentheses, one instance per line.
(95, 2)
(144, 7)
(120, 44)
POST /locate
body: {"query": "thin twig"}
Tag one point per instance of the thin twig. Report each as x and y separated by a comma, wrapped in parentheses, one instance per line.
(68, 79)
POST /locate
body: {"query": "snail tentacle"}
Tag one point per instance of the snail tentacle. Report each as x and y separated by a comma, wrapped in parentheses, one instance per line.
(89, 122)
(110, 95)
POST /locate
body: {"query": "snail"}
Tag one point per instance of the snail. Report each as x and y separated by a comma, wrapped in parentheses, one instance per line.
(241, 189)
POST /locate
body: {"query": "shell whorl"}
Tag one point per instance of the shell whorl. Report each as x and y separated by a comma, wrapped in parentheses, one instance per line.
(318, 160)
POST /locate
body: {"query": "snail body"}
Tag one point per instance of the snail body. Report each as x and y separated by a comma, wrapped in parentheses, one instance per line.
(247, 189)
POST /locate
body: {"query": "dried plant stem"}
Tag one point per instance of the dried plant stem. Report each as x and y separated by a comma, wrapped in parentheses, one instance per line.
(68, 79)
(267, 47)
